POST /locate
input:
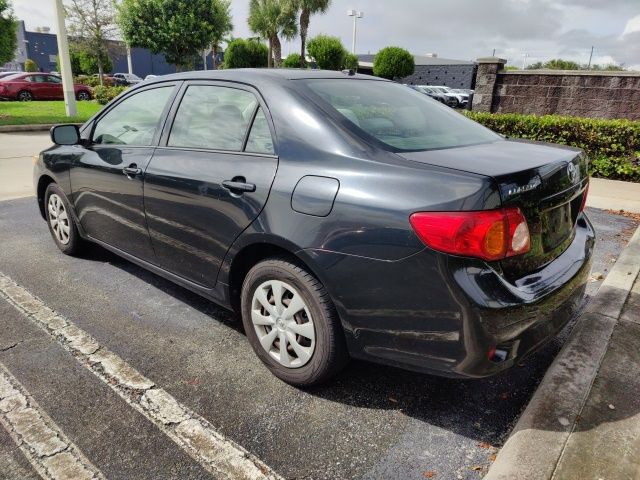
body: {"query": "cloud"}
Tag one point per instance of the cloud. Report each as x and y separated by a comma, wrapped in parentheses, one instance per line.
(464, 29)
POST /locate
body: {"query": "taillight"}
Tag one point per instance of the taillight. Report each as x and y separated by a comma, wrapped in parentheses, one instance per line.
(584, 198)
(486, 234)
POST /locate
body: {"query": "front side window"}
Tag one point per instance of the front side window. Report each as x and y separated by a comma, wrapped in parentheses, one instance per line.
(135, 120)
(213, 117)
(397, 116)
(53, 79)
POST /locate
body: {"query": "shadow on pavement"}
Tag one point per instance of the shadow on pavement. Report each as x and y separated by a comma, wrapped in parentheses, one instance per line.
(483, 409)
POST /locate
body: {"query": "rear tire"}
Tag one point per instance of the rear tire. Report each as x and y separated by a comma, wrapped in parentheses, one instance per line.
(315, 348)
(24, 96)
(60, 220)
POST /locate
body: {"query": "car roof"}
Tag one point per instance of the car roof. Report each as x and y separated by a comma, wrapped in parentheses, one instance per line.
(260, 75)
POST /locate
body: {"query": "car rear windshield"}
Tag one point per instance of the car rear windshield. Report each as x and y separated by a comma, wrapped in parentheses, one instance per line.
(398, 116)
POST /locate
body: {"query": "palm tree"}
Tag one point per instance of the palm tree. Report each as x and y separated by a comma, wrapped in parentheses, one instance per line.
(271, 18)
(308, 8)
(226, 27)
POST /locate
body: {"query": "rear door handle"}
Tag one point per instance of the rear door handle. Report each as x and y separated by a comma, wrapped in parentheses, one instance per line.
(237, 186)
(132, 170)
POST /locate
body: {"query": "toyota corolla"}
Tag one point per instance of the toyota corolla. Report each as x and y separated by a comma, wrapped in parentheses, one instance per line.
(342, 216)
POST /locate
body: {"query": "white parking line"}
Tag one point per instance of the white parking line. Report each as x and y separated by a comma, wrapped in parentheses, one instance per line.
(46, 447)
(194, 434)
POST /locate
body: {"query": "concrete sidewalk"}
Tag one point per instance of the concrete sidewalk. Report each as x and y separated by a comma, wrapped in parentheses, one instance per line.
(16, 166)
(583, 422)
(614, 195)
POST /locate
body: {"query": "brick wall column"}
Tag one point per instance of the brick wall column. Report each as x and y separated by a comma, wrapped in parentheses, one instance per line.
(486, 76)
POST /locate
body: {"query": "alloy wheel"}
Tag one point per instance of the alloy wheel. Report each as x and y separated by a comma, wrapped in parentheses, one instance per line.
(83, 96)
(59, 219)
(25, 97)
(283, 323)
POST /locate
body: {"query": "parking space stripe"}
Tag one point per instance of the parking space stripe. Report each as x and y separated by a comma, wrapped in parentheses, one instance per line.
(48, 450)
(191, 432)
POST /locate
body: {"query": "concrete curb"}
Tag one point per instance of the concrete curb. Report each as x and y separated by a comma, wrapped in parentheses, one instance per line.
(28, 128)
(537, 441)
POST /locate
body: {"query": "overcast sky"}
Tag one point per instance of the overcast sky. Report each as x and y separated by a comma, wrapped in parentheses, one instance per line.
(461, 29)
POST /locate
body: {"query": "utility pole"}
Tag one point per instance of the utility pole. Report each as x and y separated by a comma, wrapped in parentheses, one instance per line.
(524, 60)
(590, 58)
(65, 62)
(129, 61)
(494, 53)
(356, 15)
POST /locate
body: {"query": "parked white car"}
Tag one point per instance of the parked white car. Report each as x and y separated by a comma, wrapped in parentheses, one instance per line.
(461, 97)
(127, 78)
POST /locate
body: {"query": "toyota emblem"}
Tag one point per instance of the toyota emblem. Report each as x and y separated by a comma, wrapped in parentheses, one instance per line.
(572, 173)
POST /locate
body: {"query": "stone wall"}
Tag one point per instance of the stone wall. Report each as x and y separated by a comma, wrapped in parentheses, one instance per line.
(540, 92)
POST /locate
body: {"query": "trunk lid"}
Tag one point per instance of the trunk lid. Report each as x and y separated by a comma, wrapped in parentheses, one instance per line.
(547, 182)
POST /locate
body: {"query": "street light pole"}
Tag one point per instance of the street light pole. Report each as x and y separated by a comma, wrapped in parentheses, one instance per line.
(356, 15)
(129, 61)
(65, 63)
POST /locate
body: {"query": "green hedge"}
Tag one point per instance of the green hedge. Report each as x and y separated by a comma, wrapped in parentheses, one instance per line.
(104, 94)
(613, 145)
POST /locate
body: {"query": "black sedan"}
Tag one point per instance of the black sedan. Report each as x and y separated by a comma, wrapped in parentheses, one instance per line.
(341, 215)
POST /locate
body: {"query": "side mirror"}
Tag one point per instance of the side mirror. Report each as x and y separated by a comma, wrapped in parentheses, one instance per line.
(65, 134)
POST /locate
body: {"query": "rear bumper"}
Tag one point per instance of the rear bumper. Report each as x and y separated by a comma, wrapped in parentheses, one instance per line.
(440, 314)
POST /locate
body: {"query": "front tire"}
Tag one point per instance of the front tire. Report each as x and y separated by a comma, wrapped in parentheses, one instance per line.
(61, 224)
(291, 323)
(24, 96)
(83, 95)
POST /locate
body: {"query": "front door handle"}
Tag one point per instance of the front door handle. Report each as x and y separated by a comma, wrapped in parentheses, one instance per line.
(239, 185)
(132, 170)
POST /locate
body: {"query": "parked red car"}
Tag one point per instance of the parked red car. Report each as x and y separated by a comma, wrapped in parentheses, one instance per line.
(38, 86)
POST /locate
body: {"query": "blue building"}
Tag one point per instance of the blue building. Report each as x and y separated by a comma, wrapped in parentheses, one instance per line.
(42, 47)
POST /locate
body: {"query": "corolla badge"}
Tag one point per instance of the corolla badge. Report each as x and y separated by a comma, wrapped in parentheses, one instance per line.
(573, 173)
(514, 189)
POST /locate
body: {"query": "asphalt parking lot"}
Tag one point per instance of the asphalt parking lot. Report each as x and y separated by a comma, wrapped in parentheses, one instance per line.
(372, 422)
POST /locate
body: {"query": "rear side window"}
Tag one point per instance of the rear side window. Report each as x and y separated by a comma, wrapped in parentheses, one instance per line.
(398, 116)
(260, 140)
(213, 117)
(135, 120)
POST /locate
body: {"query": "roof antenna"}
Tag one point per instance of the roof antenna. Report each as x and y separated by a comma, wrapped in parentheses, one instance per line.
(351, 72)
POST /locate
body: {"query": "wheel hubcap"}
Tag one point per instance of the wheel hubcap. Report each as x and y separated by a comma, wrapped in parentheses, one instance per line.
(59, 219)
(283, 323)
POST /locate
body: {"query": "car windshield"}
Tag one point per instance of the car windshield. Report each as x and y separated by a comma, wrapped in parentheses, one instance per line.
(399, 117)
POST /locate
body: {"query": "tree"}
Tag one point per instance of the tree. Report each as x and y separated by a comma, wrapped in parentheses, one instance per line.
(393, 62)
(270, 19)
(308, 8)
(90, 64)
(246, 54)
(92, 23)
(85, 63)
(76, 69)
(178, 29)
(293, 61)
(555, 64)
(30, 65)
(327, 52)
(225, 28)
(7, 32)
(351, 62)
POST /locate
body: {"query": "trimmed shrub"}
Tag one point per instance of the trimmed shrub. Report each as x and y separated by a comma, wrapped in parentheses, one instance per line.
(351, 62)
(246, 54)
(292, 61)
(393, 62)
(328, 52)
(613, 145)
(104, 95)
(30, 65)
